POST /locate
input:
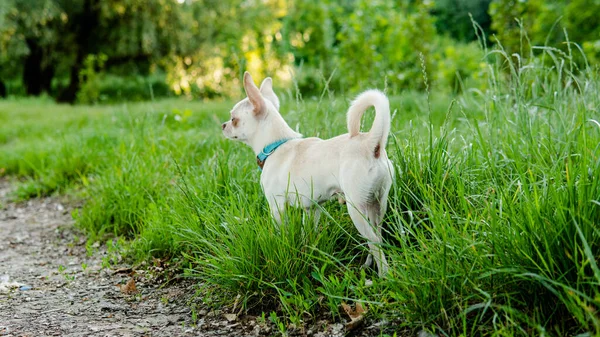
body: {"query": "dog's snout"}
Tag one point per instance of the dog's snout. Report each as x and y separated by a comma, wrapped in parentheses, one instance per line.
(224, 125)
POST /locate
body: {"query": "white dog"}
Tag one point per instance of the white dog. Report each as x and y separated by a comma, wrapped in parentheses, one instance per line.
(301, 171)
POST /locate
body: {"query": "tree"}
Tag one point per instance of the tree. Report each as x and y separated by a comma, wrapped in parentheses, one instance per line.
(452, 17)
(366, 41)
(581, 23)
(29, 31)
(230, 36)
(49, 35)
(519, 25)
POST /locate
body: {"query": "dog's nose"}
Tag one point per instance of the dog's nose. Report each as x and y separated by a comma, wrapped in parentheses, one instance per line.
(224, 125)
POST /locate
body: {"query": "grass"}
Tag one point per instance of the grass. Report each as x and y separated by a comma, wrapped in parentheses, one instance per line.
(492, 227)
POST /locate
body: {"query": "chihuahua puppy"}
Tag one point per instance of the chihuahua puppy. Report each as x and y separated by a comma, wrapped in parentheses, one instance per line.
(303, 171)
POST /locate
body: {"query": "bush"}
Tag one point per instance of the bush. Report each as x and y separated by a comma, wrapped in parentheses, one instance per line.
(110, 88)
(457, 66)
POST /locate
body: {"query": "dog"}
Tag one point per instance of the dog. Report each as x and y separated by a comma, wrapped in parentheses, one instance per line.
(301, 171)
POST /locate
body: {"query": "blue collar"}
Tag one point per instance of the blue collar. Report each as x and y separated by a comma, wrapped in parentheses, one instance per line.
(267, 151)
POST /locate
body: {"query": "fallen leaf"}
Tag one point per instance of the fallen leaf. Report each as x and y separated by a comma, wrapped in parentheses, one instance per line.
(129, 287)
(356, 315)
(157, 262)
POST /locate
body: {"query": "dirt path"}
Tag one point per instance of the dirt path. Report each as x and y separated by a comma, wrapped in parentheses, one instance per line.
(49, 286)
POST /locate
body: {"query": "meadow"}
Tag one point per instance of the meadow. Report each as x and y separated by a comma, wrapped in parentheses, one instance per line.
(492, 226)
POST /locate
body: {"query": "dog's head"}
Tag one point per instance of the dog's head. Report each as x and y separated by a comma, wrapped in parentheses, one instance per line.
(248, 115)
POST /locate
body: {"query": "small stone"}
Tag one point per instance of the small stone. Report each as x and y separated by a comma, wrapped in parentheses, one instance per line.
(230, 317)
(106, 306)
(214, 313)
(424, 333)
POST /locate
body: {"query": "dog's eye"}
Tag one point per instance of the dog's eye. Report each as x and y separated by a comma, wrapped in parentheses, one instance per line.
(234, 121)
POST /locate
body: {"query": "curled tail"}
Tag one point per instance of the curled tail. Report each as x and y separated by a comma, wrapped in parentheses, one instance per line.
(377, 136)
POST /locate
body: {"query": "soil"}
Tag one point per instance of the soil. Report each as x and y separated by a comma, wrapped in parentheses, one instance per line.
(51, 284)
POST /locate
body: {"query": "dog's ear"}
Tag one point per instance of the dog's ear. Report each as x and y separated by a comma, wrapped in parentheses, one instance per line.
(254, 95)
(266, 89)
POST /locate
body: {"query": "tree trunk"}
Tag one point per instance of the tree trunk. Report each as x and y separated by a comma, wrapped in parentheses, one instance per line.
(2, 89)
(84, 24)
(32, 70)
(37, 78)
(47, 76)
(69, 95)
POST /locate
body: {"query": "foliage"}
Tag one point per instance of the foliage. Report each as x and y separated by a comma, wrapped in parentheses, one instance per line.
(452, 18)
(580, 24)
(358, 44)
(311, 43)
(110, 88)
(457, 66)
(51, 38)
(299, 41)
(231, 38)
(521, 25)
(90, 92)
(203, 47)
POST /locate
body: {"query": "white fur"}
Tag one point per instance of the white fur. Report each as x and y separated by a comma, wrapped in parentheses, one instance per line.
(307, 170)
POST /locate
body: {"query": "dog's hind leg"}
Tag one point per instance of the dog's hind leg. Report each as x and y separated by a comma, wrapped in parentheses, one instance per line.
(375, 210)
(370, 234)
(374, 214)
(313, 213)
(368, 262)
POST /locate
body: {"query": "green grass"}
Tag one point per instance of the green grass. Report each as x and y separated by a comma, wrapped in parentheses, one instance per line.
(492, 227)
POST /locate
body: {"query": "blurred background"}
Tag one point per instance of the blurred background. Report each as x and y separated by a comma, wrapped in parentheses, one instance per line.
(94, 51)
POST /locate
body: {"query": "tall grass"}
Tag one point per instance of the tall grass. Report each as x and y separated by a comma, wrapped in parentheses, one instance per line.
(492, 226)
(495, 225)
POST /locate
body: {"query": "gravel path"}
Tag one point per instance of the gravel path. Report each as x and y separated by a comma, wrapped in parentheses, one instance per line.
(49, 286)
